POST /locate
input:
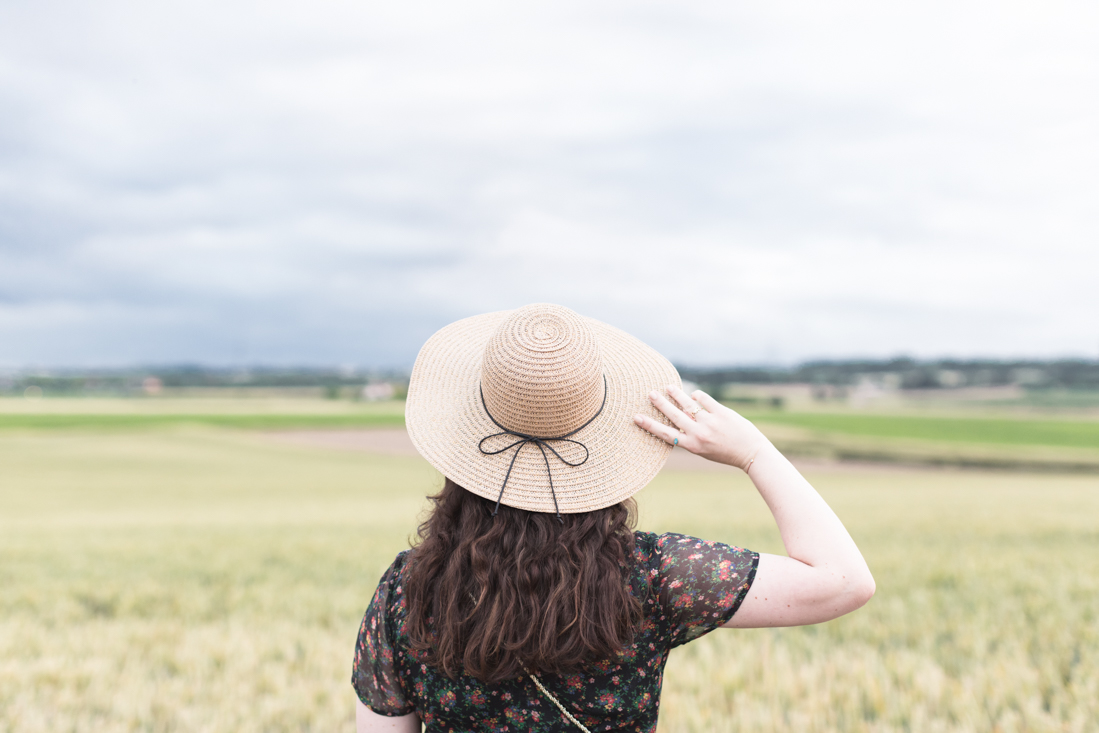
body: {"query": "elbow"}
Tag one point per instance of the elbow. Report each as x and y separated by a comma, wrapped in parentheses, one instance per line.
(854, 592)
(846, 594)
(862, 590)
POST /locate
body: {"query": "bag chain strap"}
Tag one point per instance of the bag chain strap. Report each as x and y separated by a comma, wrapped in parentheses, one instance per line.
(555, 701)
(547, 693)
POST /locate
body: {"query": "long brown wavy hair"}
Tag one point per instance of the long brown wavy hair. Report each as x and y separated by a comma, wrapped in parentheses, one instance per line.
(489, 595)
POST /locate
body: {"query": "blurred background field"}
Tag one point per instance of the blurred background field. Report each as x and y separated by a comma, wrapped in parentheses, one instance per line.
(227, 229)
(1033, 415)
(188, 567)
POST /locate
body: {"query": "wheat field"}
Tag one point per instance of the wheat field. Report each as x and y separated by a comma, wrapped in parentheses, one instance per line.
(193, 578)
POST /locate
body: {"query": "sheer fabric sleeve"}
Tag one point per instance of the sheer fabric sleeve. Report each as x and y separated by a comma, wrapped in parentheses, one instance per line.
(374, 676)
(701, 584)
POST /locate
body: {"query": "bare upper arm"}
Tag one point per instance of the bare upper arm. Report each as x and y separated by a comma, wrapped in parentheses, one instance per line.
(367, 721)
(787, 592)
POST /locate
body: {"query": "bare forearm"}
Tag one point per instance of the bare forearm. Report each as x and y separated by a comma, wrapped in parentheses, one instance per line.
(810, 530)
(824, 575)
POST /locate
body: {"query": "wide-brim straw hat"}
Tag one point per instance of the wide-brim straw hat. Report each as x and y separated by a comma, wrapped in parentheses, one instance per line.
(524, 396)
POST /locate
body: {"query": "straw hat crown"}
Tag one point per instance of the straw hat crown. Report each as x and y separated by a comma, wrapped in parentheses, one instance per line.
(542, 371)
(568, 385)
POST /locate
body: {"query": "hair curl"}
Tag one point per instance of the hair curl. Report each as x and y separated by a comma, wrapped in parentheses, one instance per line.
(489, 595)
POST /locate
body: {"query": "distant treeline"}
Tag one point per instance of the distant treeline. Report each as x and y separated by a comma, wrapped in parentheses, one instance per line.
(899, 373)
(904, 373)
(153, 380)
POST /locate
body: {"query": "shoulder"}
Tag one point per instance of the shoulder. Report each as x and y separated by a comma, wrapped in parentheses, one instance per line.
(401, 561)
(396, 570)
(680, 554)
(651, 546)
(646, 562)
(676, 540)
(672, 562)
(644, 546)
(390, 588)
(673, 542)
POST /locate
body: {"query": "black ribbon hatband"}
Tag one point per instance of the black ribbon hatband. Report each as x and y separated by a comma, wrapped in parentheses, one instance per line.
(543, 445)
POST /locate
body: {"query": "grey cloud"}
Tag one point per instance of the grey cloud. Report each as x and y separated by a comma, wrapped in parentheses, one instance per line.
(330, 184)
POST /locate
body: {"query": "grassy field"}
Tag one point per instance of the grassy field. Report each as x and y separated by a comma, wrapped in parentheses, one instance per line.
(196, 578)
(949, 436)
(1062, 443)
(989, 430)
(246, 414)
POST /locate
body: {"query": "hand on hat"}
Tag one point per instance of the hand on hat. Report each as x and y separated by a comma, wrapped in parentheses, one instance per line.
(705, 427)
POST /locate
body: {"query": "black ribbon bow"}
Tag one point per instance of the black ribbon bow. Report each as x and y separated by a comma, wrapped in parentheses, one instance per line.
(543, 445)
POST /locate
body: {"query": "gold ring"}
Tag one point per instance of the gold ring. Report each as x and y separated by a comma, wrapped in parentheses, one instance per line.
(692, 413)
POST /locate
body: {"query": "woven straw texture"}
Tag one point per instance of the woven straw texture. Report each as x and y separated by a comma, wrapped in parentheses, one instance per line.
(542, 370)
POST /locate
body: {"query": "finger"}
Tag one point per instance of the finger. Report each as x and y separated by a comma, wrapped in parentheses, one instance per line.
(708, 403)
(673, 413)
(665, 432)
(685, 402)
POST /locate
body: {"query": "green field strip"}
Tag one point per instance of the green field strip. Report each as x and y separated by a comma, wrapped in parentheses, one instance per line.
(1001, 431)
(992, 431)
(241, 422)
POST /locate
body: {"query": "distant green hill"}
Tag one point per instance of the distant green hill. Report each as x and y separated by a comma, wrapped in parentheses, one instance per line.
(1062, 433)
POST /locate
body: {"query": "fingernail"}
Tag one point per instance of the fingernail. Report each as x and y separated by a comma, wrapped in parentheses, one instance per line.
(638, 419)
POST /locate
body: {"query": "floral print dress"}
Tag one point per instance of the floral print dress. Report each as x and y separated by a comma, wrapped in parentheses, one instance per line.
(688, 587)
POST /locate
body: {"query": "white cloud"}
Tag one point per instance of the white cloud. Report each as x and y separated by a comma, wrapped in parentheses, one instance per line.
(328, 182)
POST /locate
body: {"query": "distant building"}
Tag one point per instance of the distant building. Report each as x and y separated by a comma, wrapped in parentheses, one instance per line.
(951, 378)
(378, 391)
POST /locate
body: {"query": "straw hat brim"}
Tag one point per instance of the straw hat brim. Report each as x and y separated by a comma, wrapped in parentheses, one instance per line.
(446, 420)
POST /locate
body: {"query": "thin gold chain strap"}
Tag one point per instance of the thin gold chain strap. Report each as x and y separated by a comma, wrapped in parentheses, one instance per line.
(547, 693)
(555, 701)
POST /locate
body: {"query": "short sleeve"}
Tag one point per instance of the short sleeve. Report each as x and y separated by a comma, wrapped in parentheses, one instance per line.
(701, 584)
(374, 676)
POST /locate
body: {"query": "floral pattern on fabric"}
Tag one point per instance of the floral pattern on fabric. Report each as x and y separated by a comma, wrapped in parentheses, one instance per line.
(688, 587)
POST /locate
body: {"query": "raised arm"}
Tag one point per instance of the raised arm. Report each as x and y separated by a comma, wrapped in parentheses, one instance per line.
(824, 575)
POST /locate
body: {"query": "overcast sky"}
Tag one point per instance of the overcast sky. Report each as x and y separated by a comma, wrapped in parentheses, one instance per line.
(330, 182)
